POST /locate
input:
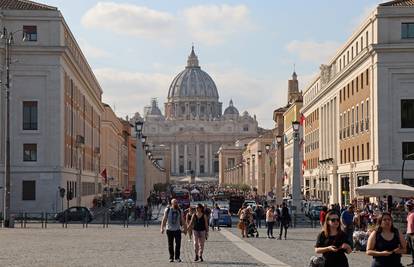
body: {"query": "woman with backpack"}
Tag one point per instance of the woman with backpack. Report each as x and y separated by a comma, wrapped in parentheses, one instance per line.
(386, 243)
(332, 242)
(199, 224)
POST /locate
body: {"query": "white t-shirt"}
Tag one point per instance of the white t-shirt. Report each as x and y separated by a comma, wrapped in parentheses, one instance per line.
(216, 212)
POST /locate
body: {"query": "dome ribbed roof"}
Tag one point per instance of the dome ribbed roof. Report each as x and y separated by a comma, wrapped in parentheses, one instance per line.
(231, 109)
(193, 82)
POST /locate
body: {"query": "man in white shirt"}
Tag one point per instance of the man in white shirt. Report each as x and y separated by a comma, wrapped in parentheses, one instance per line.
(216, 215)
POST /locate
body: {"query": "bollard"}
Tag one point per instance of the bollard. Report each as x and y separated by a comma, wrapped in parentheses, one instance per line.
(66, 219)
(127, 217)
(103, 219)
(107, 219)
(42, 220)
(21, 220)
(46, 219)
(83, 219)
(25, 219)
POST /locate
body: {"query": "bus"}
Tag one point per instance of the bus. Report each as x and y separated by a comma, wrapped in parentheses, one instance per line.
(182, 196)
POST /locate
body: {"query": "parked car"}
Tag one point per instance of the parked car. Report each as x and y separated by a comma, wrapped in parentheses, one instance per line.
(75, 214)
(314, 212)
(225, 217)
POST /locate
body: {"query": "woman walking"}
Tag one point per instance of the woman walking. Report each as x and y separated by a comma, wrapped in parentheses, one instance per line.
(386, 243)
(188, 217)
(332, 242)
(199, 224)
(270, 221)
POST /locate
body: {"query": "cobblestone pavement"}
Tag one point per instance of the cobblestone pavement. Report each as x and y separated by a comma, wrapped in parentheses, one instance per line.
(299, 247)
(114, 246)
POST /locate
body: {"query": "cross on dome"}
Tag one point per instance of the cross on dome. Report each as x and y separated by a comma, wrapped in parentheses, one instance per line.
(192, 61)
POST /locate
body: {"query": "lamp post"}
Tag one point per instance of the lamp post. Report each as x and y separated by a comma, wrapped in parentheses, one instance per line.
(405, 157)
(140, 163)
(296, 183)
(279, 169)
(8, 38)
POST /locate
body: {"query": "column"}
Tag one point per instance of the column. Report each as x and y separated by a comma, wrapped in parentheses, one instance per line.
(177, 159)
(185, 158)
(205, 158)
(197, 161)
(211, 159)
(296, 179)
(172, 159)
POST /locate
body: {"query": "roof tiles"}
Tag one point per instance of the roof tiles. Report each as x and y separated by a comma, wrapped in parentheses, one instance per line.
(401, 3)
(24, 5)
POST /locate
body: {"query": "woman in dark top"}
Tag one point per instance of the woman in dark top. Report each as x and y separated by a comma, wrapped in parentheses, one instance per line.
(188, 217)
(386, 244)
(199, 224)
(332, 242)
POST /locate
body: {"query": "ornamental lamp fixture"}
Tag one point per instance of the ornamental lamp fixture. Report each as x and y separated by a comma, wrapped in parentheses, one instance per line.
(253, 156)
(278, 139)
(146, 147)
(295, 126)
(138, 126)
(143, 139)
(267, 147)
(259, 153)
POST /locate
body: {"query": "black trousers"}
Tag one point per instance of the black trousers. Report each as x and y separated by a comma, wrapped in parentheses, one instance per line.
(283, 225)
(171, 236)
(270, 228)
(411, 244)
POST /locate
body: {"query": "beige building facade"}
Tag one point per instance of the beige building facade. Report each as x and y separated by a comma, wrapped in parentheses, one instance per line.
(360, 109)
(194, 126)
(55, 112)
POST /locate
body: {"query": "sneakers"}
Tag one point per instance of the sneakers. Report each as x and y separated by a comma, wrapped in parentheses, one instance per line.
(178, 260)
(201, 258)
(171, 260)
(196, 258)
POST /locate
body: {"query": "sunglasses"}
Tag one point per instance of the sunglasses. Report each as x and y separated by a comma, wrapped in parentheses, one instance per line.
(333, 219)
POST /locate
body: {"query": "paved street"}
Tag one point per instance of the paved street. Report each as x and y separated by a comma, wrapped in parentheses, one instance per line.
(136, 246)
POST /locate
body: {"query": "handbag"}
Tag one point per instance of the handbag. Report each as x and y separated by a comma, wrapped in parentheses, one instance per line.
(317, 261)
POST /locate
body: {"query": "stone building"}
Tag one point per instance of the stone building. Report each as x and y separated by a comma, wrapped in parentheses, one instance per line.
(360, 109)
(55, 111)
(194, 126)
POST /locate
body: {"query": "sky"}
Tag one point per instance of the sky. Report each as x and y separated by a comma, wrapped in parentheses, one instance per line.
(249, 48)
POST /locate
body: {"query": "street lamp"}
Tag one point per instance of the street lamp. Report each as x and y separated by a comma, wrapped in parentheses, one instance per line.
(253, 156)
(8, 39)
(405, 157)
(259, 153)
(143, 139)
(278, 139)
(296, 179)
(138, 127)
(267, 147)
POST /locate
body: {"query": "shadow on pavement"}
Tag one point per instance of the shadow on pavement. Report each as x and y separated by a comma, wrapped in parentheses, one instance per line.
(228, 263)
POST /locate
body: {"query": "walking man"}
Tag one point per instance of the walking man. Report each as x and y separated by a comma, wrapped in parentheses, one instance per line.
(173, 220)
(347, 220)
(284, 220)
(216, 216)
(410, 228)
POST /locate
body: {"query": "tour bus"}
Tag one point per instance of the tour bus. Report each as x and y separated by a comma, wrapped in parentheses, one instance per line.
(182, 196)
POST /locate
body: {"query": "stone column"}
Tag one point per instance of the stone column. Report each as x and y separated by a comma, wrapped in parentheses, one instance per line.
(185, 158)
(211, 159)
(172, 159)
(205, 158)
(197, 160)
(296, 178)
(177, 159)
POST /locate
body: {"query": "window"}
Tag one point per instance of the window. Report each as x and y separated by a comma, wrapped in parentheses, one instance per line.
(29, 190)
(29, 152)
(367, 77)
(246, 128)
(408, 149)
(231, 162)
(30, 33)
(363, 152)
(353, 154)
(347, 88)
(367, 150)
(341, 156)
(29, 115)
(362, 81)
(407, 30)
(407, 113)
(356, 84)
(357, 153)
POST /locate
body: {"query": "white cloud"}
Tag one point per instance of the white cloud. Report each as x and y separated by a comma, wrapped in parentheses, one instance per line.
(212, 24)
(318, 52)
(131, 91)
(129, 19)
(91, 51)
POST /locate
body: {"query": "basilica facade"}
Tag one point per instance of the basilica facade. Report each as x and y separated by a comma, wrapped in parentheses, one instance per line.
(194, 127)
